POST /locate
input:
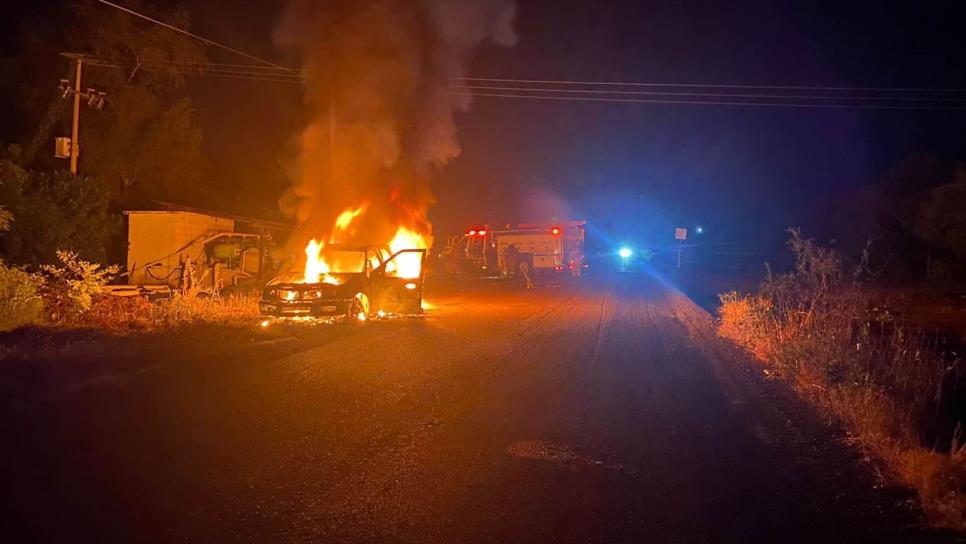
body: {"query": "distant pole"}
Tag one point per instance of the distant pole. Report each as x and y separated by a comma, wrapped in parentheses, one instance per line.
(75, 127)
(680, 234)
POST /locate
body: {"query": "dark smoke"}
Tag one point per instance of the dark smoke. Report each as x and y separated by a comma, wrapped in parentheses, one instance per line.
(378, 88)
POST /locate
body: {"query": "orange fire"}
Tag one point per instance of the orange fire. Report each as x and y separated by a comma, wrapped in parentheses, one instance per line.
(345, 218)
(316, 269)
(407, 265)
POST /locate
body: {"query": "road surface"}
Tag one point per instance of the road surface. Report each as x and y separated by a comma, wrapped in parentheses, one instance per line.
(598, 412)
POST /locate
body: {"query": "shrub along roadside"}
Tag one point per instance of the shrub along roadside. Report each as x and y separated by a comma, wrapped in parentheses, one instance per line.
(71, 295)
(20, 300)
(818, 328)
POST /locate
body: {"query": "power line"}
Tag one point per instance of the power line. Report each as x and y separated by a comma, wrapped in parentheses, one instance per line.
(719, 95)
(512, 92)
(486, 81)
(706, 85)
(226, 65)
(225, 75)
(238, 73)
(197, 37)
(249, 69)
(252, 78)
(272, 65)
(709, 102)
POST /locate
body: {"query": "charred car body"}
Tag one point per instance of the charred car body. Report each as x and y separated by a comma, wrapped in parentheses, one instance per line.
(360, 281)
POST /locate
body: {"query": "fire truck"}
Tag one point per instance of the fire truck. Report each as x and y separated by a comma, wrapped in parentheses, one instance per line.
(545, 247)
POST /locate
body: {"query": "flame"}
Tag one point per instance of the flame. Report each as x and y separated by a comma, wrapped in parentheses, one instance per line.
(316, 269)
(407, 265)
(345, 218)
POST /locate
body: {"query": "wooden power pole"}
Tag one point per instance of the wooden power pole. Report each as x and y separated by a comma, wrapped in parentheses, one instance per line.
(75, 125)
(94, 99)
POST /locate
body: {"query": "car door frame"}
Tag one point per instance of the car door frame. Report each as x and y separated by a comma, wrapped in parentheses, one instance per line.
(391, 294)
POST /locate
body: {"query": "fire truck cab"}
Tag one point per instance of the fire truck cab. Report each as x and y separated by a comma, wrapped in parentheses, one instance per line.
(546, 248)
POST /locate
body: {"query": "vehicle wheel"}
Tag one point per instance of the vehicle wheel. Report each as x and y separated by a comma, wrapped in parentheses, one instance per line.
(358, 309)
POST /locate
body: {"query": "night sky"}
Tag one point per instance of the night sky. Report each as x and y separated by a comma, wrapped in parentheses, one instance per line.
(742, 172)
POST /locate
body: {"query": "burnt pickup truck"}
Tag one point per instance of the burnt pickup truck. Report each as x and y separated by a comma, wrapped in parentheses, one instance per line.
(363, 281)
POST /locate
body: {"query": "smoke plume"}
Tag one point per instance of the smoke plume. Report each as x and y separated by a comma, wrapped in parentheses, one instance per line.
(379, 77)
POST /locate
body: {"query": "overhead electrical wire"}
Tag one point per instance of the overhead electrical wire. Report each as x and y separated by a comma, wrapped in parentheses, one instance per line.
(605, 96)
(281, 78)
(197, 37)
(707, 85)
(677, 93)
(496, 87)
(712, 102)
(587, 91)
(481, 81)
(242, 72)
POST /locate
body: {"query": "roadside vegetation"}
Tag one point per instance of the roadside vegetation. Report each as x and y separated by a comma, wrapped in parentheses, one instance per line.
(823, 329)
(179, 310)
(69, 298)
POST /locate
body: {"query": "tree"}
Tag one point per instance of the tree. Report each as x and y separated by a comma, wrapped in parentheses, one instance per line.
(146, 143)
(897, 200)
(906, 185)
(52, 211)
(941, 221)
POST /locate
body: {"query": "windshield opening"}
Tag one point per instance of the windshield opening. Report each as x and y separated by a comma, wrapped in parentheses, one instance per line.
(344, 261)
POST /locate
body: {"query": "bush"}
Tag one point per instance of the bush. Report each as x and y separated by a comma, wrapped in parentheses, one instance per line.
(69, 289)
(20, 302)
(819, 328)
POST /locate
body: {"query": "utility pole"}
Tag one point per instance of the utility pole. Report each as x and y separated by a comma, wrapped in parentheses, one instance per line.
(94, 98)
(75, 126)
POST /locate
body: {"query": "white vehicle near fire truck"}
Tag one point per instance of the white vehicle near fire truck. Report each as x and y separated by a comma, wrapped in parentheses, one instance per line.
(545, 247)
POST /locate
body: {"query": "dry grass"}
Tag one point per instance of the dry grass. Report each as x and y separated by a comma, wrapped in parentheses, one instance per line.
(129, 326)
(820, 331)
(136, 313)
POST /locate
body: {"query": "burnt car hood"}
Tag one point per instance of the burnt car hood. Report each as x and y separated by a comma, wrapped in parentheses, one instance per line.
(345, 290)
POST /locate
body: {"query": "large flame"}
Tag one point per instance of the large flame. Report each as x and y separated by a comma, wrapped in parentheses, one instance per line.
(407, 265)
(316, 269)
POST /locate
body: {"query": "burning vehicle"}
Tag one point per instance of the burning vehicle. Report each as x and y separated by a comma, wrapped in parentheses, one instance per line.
(356, 282)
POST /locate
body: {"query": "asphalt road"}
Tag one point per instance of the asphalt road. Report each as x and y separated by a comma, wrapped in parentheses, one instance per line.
(598, 412)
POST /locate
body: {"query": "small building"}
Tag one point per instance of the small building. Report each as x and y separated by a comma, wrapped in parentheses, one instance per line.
(174, 245)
